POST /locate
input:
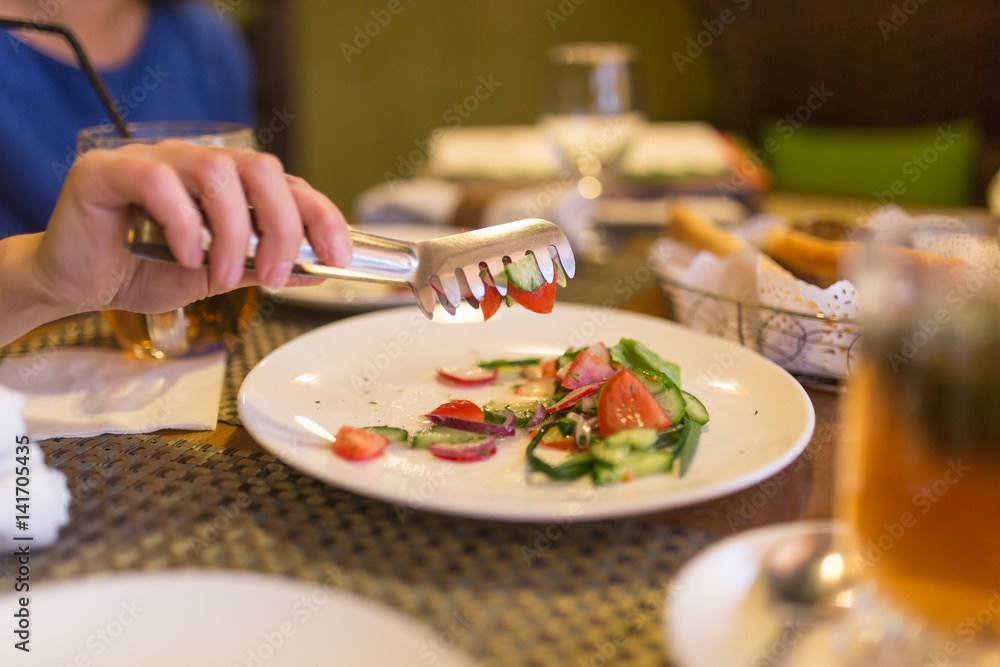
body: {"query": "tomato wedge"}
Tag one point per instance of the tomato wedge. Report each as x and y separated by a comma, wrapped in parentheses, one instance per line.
(490, 303)
(539, 301)
(461, 408)
(625, 402)
(358, 444)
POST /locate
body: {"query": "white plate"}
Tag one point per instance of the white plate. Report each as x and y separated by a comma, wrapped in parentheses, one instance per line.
(379, 369)
(719, 614)
(353, 296)
(214, 618)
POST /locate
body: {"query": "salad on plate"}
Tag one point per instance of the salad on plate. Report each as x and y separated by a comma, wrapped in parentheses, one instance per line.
(611, 413)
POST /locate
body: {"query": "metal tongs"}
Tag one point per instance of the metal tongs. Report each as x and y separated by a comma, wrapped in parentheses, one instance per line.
(452, 267)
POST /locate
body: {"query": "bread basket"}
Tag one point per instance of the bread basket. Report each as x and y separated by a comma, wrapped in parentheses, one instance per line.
(815, 349)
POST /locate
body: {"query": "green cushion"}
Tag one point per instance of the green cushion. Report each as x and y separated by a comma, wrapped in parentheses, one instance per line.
(932, 164)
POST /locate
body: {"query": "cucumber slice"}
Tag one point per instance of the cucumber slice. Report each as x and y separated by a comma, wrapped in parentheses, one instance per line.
(632, 438)
(689, 443)
(499, 280)
(561, 278)
(428, 436)
(619, 447)
(394, 434)
(694, 408)
(667, 394)
(524, 274)
(638, 464)
(495, 412)
(612, 456)
(671, 400)
(654, 382)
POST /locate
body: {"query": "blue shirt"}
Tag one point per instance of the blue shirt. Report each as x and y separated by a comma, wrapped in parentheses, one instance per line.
(191, 66)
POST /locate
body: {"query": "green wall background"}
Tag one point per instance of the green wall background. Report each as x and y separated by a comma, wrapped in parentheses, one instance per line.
(355, 119)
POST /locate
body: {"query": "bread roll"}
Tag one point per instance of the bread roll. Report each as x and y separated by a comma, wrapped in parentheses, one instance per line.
(816, 260)
(699, 232)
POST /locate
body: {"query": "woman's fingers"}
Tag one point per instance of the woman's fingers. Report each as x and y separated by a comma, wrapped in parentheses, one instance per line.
(104, 182)
(277, 217)
(185, 187)
(214, 175)
(325, 224)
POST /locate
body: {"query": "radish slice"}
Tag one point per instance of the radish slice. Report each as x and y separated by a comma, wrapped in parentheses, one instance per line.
(601, 350)
(467, 377)
(585, 369)
(476, 450)
(572, 397)
(507, 428)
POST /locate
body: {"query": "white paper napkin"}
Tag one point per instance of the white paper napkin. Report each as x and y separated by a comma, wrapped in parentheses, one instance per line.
(85, 392)
(36, 499)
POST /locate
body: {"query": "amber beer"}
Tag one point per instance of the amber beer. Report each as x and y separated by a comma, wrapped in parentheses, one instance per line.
(920, 473)
(211, 324)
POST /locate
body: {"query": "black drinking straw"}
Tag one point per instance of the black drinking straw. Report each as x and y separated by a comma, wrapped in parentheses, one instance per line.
(81, 56)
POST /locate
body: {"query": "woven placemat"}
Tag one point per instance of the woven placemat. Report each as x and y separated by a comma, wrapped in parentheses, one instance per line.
(272, 325)
(522, 594)
(86, 330)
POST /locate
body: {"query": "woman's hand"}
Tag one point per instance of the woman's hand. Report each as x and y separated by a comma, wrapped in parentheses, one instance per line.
(80, 263)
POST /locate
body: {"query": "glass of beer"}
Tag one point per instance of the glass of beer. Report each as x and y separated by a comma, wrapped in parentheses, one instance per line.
(204, 326)
(919, 475)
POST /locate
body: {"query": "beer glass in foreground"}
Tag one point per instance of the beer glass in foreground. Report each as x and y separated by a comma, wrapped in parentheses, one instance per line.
(204, 326)
(920, 460)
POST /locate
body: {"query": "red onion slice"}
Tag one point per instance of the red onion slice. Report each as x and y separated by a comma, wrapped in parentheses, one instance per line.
(572, 397)
(473, 376)
(507, 428)
(539, 415)
(477, 450)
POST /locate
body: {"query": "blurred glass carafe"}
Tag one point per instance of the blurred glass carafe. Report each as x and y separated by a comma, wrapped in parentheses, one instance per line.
(592, 110)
